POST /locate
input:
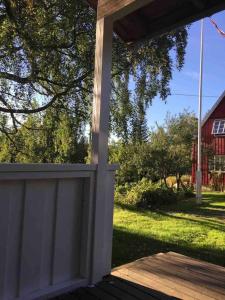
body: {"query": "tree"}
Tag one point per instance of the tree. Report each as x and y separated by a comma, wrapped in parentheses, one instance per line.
(47, 55)
(45, 138)
(135, 162)
(181, 130)
(167, 152)
(139, 133)
(160, 153)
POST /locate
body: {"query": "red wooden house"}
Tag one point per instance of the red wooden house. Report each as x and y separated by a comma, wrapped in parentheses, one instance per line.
(213, 146)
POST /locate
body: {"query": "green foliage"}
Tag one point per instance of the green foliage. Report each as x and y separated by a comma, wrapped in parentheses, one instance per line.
(47, 59)
(135, 162)
(166, 153)
(145, 194)
(45, 138)
(181, 129)
(186, 193)
(216, 182)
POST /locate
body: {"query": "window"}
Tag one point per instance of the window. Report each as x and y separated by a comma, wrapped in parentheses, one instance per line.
(217, 163)
(218, 127)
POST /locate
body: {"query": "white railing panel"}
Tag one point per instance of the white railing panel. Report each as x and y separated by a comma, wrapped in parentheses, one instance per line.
(11, 212)
(48, 229)
(66, 260)
(39, 202)
(45, 229)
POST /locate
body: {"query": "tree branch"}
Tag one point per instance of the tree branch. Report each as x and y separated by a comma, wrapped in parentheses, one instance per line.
(13, 77)
(31, 111)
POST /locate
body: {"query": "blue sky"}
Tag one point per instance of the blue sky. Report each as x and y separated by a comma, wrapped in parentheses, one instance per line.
(186, 81)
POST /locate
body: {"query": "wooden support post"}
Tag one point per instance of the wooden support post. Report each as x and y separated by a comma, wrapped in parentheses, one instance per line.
(108, 12)
(102, 90)
(100, 134)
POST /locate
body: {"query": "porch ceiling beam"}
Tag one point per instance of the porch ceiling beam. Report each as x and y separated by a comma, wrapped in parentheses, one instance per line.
(199, 4)
(117, 9)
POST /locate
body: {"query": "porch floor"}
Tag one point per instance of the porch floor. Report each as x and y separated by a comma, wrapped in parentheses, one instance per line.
(161, 276)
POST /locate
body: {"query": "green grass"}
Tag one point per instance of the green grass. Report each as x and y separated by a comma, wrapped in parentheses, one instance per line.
(187, 228)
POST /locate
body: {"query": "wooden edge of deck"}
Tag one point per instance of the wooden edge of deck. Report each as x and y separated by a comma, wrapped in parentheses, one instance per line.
(129, 265)
(175, 254)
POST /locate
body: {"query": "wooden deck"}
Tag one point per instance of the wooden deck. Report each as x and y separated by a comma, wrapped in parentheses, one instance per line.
(162, 276)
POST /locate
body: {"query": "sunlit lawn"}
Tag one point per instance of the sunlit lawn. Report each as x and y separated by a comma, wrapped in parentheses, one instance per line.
(194, 230)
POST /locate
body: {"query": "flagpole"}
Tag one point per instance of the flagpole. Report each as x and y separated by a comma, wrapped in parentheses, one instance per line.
(199, 162)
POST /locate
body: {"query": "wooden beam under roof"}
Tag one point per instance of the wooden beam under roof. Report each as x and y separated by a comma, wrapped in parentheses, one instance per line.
(199, 4)
(133, 23)
(117, 9)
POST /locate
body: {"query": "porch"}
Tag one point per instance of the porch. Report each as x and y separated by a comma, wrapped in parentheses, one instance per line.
(162, 276)
(56, 220)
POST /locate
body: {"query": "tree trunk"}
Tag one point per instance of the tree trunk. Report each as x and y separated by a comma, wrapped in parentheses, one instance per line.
(178, 182)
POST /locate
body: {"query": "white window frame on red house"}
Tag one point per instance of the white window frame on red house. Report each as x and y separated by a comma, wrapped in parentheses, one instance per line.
(217, 164)
(218, 127)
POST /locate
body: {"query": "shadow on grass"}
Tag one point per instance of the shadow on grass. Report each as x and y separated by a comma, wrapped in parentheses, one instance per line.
(189, 206)
(206, 209)
(128, 247)
(212, 224)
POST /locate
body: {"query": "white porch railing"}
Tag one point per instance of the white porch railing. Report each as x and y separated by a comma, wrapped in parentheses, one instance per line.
(47, 222)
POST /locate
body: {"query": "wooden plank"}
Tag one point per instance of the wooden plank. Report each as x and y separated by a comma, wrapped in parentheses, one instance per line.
(50, 188)
(205, 265)
(201, 271)
(173, 278)
(67, 246)
(31, 274)
(43, 175)
(156, 278)
(165, 277)
(154, 282)
(133, 290)
(98, 293)
(149, 291)
(198, 282)
(82, 294)
(117, 9)
(86, 227)
(115, 291)
(4, 233)
(11, 206)
(108, 221)
(16, 202)
(4, 168)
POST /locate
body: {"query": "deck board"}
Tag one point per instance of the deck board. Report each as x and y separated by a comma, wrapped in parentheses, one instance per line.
(162, 276)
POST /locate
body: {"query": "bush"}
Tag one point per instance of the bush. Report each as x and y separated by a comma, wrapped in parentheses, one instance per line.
(144, 194)
(186, 179)
(186, 193)
(171, 181)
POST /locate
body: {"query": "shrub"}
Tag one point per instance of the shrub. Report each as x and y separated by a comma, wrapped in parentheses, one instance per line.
(144, 194)
(186, 193)
(186, 180)
(157, 197)
(171, 181)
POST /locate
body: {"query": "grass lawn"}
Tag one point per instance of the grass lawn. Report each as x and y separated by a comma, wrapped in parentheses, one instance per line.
(187, 228)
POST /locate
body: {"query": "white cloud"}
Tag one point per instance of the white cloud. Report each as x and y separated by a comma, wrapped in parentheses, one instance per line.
(192, 74)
